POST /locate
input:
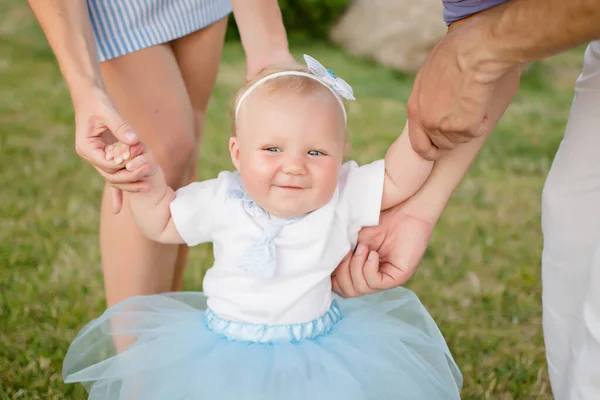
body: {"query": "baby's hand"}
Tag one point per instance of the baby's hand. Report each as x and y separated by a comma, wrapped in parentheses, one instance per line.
(144, 163)
(118, 152)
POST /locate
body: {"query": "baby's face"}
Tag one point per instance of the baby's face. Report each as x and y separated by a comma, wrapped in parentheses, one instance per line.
(288, 150)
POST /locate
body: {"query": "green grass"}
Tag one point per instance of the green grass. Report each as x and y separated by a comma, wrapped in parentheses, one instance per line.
(480, 277)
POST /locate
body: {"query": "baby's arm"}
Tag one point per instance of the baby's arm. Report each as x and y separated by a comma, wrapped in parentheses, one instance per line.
(150, 209)
(405, 172)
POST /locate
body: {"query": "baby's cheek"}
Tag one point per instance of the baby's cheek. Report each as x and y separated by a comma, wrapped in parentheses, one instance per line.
(254, 183)
(254, 189)
(329, 180)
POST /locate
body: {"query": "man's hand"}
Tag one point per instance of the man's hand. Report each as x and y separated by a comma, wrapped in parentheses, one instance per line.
(386, 256)
(452, 93)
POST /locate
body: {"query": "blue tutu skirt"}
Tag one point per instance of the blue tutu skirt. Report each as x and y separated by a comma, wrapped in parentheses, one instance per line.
(171, 347)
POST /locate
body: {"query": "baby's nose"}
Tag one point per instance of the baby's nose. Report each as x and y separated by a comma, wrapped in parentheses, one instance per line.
(294, 166)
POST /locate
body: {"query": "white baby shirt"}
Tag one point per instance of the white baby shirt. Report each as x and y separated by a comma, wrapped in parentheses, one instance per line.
(307, 250)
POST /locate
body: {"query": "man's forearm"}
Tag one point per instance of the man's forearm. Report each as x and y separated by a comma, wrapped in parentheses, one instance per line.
(67, 27)
(521, 31)
(528, 30)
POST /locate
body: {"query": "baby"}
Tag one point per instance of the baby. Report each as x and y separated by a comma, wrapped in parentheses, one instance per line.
(279, 225)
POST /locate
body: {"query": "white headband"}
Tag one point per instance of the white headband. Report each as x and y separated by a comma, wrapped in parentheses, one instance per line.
(324, 76)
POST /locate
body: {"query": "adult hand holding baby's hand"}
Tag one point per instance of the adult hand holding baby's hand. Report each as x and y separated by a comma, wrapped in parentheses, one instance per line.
(97, 125)
(139, 167)
(386, 256)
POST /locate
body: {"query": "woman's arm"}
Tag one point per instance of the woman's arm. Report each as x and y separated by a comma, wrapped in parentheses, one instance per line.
(262, 33)
(67, 27)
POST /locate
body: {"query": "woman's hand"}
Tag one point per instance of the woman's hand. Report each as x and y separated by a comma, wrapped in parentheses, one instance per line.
(255, 63)
(98, 124)
(262, 34)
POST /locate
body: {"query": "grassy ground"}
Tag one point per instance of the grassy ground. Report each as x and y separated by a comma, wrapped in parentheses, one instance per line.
(480, 277)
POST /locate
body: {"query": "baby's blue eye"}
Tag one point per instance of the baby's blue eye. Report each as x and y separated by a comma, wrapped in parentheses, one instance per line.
(314, 153)
(273, 149)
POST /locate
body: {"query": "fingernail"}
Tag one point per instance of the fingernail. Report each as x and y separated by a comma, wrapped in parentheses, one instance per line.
(360, 249)
(126, 156)
(131, 136)
(129, 166)
(371, 256)
(118, 160)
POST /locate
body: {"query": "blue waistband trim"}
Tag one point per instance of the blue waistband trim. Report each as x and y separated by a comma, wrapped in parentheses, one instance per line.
(259, 333)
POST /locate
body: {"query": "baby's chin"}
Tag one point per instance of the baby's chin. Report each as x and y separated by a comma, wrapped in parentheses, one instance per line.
(288, 213)
(291, 212)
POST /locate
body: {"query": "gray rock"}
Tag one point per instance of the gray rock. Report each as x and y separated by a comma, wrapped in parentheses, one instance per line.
(395, 33)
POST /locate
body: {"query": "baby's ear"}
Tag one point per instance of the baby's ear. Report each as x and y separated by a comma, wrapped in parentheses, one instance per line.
(234, 152)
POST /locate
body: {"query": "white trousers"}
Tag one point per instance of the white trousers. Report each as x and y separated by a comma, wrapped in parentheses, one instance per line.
(571, 255)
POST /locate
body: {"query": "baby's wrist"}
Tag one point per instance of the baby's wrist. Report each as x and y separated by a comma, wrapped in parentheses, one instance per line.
(156, 179)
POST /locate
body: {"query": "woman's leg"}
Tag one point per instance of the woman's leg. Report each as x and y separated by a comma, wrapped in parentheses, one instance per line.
(196, 55)
(150, 93)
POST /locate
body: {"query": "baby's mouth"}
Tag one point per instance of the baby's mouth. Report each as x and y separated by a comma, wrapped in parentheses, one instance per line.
(289, 187)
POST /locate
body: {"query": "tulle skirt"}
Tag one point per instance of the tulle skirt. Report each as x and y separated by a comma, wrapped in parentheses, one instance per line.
(170, 347)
